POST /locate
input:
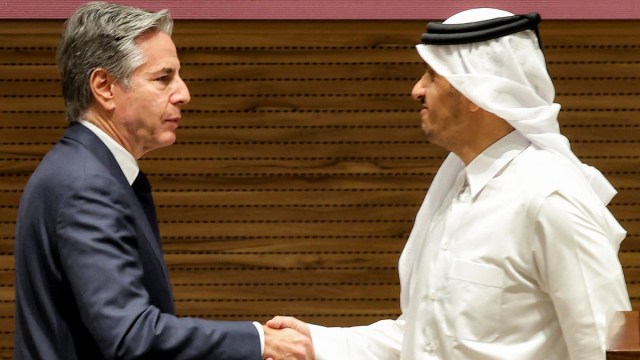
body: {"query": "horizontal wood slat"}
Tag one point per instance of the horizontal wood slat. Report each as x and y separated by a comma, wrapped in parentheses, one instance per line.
(16, 90)
(224, 134)
(300, 162)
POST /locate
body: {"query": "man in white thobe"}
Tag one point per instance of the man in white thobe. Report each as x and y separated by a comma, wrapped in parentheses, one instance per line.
(513, 254)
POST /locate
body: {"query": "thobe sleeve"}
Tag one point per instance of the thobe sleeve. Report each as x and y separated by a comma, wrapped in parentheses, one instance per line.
(579, 268)
(380, 340)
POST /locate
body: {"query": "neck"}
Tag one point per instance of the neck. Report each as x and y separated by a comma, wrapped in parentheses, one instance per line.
(110, 129)
(486, 133)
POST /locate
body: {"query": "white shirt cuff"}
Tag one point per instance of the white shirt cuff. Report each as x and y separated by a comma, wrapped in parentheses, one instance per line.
(261, 333)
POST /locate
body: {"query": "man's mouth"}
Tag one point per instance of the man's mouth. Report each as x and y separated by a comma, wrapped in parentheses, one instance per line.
(175, 120)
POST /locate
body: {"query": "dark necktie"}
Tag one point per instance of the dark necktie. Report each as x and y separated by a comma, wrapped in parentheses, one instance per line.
(142, 188)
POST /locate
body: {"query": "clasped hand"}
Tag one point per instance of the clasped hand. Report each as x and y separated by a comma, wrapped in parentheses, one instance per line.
(287, 338)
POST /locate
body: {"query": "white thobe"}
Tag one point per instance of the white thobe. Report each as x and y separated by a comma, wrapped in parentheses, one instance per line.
(518, 262)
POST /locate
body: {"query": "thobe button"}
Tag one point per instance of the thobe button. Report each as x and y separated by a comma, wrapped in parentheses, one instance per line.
(430, 347)
(434, 295)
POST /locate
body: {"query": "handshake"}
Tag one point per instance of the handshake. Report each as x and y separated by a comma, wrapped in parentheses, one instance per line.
(287, 338)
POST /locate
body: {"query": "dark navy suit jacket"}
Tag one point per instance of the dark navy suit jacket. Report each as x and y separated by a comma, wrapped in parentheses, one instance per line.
(91, 282)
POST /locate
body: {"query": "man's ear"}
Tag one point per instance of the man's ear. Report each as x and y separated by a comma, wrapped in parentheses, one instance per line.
(102, 84)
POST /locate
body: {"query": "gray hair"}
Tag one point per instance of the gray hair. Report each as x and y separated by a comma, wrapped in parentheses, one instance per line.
(102, 35)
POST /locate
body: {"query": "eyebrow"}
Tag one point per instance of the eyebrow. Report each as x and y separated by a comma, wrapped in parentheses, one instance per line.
(430, 70)
(167, 70)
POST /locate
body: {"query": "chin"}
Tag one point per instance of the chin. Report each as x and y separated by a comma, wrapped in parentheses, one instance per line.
(166, 141)
(169, 142)
(426, 130)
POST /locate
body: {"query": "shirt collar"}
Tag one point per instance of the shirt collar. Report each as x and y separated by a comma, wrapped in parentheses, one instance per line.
(493, 159)
(125, 160)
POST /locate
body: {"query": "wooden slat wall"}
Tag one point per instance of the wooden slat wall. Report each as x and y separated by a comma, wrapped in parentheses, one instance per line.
(300, 163)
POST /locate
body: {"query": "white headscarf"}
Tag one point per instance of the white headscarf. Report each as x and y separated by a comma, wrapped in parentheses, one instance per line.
(508, 77)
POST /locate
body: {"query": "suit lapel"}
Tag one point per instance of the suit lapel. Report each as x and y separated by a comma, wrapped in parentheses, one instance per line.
(79, 133)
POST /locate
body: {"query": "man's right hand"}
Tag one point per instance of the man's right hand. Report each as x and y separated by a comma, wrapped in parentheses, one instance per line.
(287, 343)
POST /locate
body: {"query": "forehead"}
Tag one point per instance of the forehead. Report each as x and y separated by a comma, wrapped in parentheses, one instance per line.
(428, 69)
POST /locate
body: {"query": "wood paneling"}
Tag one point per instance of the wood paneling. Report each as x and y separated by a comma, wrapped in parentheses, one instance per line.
(300, 163)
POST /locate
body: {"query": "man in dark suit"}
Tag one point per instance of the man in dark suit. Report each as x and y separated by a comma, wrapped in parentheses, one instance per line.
(91, 282)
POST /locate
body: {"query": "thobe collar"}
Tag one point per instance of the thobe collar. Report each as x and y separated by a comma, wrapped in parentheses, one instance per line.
(493, 160)
(125, 160)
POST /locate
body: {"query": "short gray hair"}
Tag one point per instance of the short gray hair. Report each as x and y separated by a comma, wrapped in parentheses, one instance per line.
(102, 35)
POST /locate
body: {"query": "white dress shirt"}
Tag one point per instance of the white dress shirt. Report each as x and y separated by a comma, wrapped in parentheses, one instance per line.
(517, 263)
(125, 160)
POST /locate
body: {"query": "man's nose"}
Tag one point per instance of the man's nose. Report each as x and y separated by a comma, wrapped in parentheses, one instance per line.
(182, 95)
(418, 91)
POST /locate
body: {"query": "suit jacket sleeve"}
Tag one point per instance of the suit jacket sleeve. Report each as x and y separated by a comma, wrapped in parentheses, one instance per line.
(99, 251)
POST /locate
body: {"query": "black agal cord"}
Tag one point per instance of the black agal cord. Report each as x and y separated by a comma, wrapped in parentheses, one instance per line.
(456, 34)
